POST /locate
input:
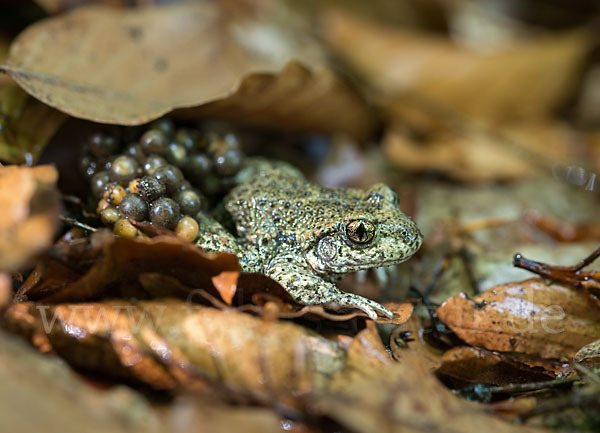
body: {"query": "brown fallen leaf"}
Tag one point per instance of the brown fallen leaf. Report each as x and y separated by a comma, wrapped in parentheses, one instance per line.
(523, 151)
(29, 209)
(403, 397)
(174, 343)
(531, 317)
(106, 65)
(5, 289)
(64, 402)
(473, 365)
(111, 265)
(414, 343)
(510, 84)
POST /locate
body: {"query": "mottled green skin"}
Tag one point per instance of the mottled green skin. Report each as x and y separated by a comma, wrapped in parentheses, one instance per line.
(295, 232)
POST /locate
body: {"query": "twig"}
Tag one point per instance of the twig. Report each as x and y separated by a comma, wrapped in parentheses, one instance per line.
(73, 222)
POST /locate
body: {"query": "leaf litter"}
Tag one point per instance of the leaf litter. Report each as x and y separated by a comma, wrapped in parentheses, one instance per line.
(156, 312)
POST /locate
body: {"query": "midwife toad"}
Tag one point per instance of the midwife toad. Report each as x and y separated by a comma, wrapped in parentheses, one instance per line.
(305, 236)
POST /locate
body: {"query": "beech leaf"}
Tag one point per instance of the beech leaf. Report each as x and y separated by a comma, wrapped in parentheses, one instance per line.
(531, 317)
(129, 66)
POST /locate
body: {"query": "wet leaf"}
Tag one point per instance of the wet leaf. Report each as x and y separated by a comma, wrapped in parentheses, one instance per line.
(513, 83)
(29, 207)
(403, 397)
(129, 66)
(531, 317)
(174, 343)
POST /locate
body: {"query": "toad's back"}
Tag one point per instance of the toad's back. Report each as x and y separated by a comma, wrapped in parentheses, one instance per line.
(277, 204)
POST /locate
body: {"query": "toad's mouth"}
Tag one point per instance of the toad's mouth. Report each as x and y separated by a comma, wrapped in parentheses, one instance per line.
(362, 266)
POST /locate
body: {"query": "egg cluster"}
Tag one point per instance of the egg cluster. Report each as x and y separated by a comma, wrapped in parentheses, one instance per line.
(163, 178)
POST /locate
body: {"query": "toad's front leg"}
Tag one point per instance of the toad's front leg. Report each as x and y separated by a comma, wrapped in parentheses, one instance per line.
(310, 289)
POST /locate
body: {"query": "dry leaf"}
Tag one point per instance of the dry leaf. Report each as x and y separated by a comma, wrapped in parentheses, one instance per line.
(416, 345)
(524, 151)
(129, 66)
(63, 401)
(5, 289)
(474, 365)
(532, 317)
(403, 397)
(112, 263)
(171, 343)
(527, 80)
(29, 208)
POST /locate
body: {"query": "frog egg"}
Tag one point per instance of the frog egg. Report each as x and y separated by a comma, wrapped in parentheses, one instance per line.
(102, 204)
(153, 141)
(99, 182)
(186, 137)
(189, 201)
(227, 162)
(134, 185)
(135, 151)
(88, 166)
(124, 169)
(133, 206)
(125, 229)
(176, 154)
(101, 144)
(165, 126)
(153, 163)
(187, 228)
(114, 193)
(109, 215)
(164, 212)
(171, 176)
(197, 166)
(151, 189)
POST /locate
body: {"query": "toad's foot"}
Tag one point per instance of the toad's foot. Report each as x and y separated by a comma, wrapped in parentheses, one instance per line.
(310, 289)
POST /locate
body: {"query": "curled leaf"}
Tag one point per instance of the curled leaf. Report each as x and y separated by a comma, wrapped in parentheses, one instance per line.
(112, 265)
(531, 317)
(512, 83)
(174, 343)
(129, 66)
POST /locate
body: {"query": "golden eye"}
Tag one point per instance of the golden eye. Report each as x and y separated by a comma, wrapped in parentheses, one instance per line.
(360, 231)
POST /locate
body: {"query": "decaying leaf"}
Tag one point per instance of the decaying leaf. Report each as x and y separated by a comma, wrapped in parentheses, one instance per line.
(129, 66)
(174, 343)
(531, 317)
(474, 365)
(527, 80)
(413, 343)
(403, 397)
(29, 207)
(108, 263)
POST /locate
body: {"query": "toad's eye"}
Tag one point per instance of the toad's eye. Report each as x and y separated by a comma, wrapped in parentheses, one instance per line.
(360, 231)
